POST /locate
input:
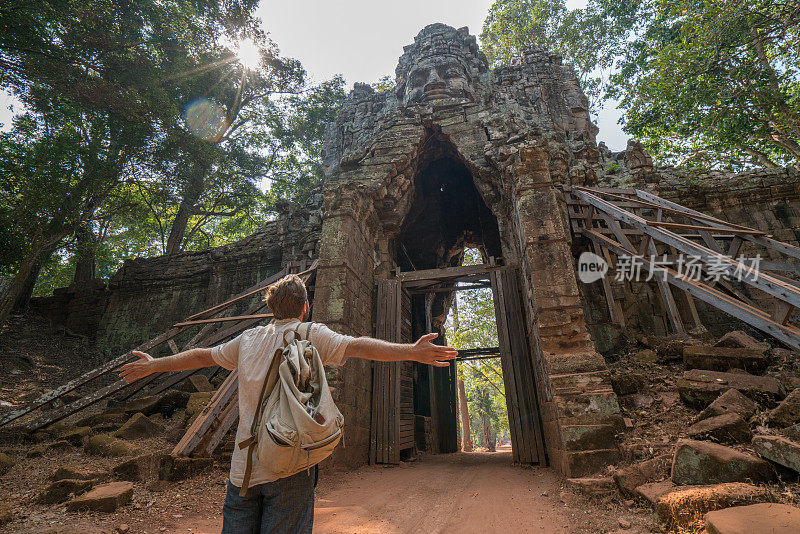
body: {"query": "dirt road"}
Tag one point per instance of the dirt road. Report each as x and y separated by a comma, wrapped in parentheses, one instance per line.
(477, 492)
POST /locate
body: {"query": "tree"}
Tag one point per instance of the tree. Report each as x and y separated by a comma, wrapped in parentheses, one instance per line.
(711, 83)
(581, 36)
(102, 83)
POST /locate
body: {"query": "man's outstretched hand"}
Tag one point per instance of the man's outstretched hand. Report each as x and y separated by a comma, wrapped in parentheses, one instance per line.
(139, 369)
(426, 352)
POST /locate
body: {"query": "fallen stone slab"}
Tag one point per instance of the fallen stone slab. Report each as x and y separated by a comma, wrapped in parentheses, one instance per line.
(139, 426)
(6, 463)
(653, 491)
(196, 383)
(725, 428)
(197, 402)
(79, 473)
(702, 463)
(752, 360)
(104, 421)
(792, 432)
(105, 445)
(732, 401)
(787, 413)
(778, 449)
(670, 350)
(653, 470)
(77, 435)
(685, 508)
(737, 338)
(593, 487)
(140, 468)
(61, 490)
(165, 403)
(699, 387)
(174, 468)
(771, 518)
(627, 383)
(104, 498)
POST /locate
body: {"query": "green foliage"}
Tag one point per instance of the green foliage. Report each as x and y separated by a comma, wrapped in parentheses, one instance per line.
(711, 83)
(581, 36)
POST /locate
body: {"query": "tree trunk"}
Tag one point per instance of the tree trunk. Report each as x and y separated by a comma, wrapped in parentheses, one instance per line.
(86, 248)
(191, 195)
(466, 435)
(488, 435)
(19, 291)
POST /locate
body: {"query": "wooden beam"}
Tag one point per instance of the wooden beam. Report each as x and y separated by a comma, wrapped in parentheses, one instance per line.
(225, 319)
(446, 272)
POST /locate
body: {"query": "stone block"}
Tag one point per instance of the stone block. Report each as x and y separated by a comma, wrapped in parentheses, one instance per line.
(778, 449)
(732, 401)
(139, 468)
(197, 402)
(772, 518)
(577, 464)
(787, 413)
(737, 338)
(79, 473)
(653, 491)
(630, 478)
(104, 498)
(179, 468)
(644, 356)
(726, 428)
(105, 445)
(196, 384)
(627, 383)
(104, 421)
(139, 426)
(752, 360)
(62, 490)
(6, 463)
(165, 403)
(698, 388)
(77, 435)
(792, 432)
(588, 437)
(685, 508)
(701, 462)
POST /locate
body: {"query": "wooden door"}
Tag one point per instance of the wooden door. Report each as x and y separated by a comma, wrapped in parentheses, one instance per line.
(518, 370)
(392, 422)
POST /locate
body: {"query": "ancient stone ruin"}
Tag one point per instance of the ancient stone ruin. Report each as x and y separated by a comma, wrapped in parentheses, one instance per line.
(457, 155)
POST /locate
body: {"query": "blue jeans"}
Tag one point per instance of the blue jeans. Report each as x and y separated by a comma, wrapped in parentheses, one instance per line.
(283, 506)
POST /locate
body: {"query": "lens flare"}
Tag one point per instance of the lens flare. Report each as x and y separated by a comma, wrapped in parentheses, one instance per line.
(249, 54)
(205, 119)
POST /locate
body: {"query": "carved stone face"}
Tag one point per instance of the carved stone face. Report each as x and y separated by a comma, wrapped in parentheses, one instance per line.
(435, 78)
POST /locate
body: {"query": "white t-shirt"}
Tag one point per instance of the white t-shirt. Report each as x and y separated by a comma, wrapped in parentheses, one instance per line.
(251, 353)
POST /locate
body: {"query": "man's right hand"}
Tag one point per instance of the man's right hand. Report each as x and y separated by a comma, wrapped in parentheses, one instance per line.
(135, 370)
(426, 352)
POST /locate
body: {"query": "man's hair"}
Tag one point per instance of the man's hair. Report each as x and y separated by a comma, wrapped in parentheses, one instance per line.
(286, 297)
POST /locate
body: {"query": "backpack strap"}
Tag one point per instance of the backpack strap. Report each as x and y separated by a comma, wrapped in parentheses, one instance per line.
(303, 330)
(269, 384)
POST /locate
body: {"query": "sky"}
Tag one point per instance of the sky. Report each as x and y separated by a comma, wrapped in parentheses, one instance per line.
(362, 40)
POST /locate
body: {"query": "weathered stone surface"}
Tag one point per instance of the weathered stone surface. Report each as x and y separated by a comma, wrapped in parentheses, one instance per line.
(104, 421)
(6, 463)
(737, 338)
(752, 360)
(61, 490)
(60, 445)
(197, 401)
(196, 383)
(139, 468)
(653, 470)
(79, 473)
(6, 515)
(165, 403)
(726, 428)
(732, 401)
(772, 518)
(653, 491)
(670, 350)
(645, 356)
(105, 445)
(787, 413)
(593, 487)
(174, 469)
(792, 432)
(701, 462)
(686, 507)
(105, 498)
(77, 435)
(139, 426)
(627, 383)
(779, 449)
(698, 388)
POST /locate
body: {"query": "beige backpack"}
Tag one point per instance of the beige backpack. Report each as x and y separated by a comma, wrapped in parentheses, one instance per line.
(297, 424)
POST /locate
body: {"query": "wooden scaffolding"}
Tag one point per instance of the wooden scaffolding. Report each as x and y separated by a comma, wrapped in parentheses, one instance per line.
(214, 327)
(661, 237)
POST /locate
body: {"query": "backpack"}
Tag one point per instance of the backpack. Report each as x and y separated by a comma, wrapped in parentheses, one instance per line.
(297, 424)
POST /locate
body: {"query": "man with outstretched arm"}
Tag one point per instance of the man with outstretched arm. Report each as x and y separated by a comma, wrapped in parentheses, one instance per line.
(286, 504)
